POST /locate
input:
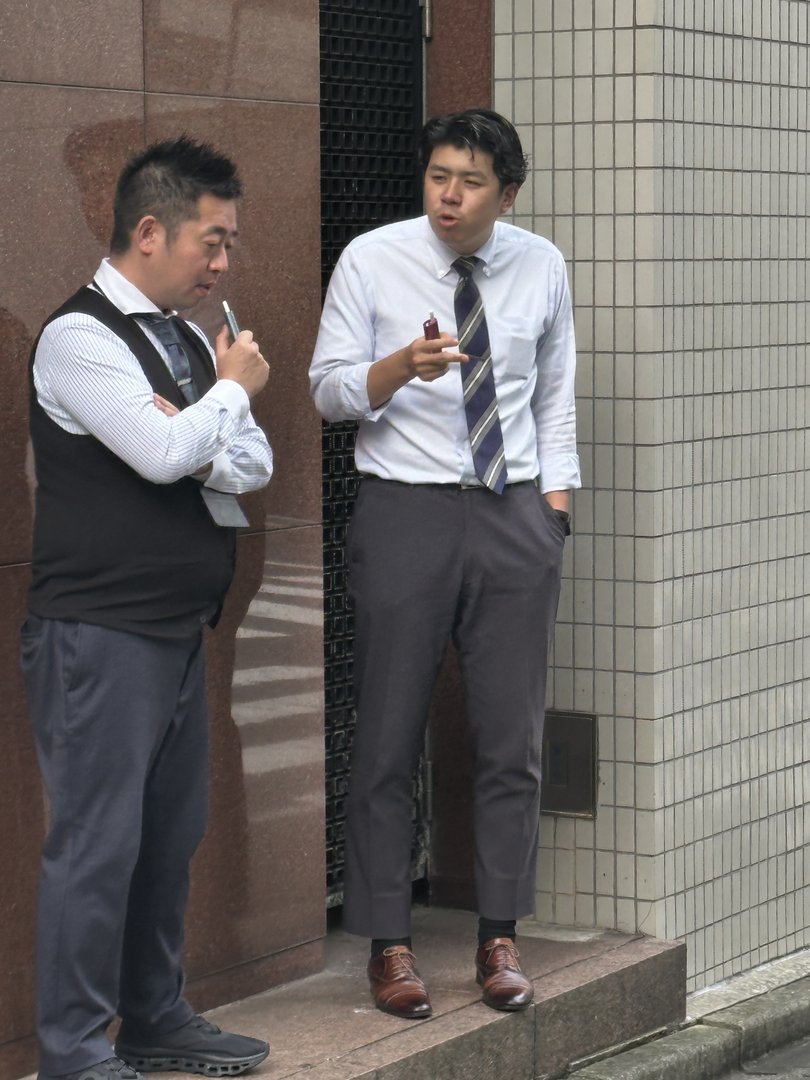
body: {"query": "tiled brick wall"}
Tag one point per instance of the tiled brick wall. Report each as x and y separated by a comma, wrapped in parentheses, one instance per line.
(669, 154)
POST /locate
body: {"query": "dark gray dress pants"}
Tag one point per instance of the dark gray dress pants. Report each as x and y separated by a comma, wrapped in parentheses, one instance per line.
(122, 739)
(427, 562)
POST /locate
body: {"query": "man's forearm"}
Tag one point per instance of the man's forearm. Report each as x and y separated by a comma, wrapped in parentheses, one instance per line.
(423, 359)
(388, 375)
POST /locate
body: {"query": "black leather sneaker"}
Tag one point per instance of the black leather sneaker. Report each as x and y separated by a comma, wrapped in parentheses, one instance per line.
(197, 1047)
(111, 1069)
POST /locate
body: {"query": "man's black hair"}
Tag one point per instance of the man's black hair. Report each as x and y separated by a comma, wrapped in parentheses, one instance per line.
(167, 180)
(477, 129)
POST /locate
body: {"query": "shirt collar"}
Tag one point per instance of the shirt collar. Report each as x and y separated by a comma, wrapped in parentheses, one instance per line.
(120, 291)
(444, 256)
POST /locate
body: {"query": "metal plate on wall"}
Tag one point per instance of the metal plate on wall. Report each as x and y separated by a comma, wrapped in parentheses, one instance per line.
(570, 760)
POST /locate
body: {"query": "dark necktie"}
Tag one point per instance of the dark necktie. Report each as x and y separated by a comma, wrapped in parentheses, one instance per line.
(478, 380)
(167, 334)
(223, 507)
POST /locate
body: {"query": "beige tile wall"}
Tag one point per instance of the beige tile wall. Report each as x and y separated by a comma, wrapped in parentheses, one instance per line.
(669, 154)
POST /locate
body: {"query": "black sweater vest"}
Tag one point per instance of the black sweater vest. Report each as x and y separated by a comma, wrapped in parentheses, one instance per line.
(111, 548)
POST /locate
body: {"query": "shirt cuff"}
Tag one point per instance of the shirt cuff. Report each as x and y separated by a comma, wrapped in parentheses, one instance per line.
(355, 394)
(559, 472)
(232, 397)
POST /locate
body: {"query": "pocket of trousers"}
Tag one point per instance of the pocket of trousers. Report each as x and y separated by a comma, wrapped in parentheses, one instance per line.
(552, 517)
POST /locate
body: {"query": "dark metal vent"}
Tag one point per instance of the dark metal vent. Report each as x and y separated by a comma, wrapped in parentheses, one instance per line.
(371, 108)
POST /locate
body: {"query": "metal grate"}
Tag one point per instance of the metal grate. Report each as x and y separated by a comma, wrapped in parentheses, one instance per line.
(371, 108)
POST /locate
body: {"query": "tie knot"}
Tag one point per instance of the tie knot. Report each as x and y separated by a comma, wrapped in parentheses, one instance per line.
(162, 325)
(165, 330)
(465, 264)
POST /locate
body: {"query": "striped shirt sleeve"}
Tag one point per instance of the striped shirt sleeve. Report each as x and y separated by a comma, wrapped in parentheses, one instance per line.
(89, 383)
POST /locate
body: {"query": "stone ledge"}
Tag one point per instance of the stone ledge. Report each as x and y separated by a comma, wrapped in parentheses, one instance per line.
(593, 988)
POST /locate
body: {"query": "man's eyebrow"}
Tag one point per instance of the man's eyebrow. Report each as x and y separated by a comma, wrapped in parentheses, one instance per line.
(221, 231)
(458, 172)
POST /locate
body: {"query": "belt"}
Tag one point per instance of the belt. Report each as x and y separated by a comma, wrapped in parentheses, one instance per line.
(445, 487)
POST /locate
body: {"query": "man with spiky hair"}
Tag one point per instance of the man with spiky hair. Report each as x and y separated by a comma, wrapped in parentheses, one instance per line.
(142, 437)
(467, 451)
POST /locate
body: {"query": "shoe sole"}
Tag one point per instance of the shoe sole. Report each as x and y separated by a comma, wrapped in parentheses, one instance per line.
(503, 1008)
(506, 1008)
(406, 1016)
(189, 1064)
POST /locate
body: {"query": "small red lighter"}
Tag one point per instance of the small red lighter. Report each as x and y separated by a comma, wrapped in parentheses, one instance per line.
(431, 328)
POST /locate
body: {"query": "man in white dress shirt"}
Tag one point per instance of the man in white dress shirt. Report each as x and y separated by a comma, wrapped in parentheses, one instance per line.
(142, 437)
(467, 450)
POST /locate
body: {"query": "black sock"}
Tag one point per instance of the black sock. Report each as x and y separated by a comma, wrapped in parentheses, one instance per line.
(492, 928)
(380, 944)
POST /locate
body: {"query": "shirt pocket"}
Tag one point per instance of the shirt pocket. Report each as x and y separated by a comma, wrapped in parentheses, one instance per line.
(514, 347)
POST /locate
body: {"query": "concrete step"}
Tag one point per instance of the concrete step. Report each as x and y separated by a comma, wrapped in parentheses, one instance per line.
(593, 989)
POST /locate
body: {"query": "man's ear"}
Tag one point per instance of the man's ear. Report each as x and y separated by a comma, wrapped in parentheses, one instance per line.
(508, 196)
(147, 233)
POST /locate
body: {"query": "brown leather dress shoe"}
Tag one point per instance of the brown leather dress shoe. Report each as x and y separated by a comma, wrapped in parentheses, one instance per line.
(396, 985)
(497, 970)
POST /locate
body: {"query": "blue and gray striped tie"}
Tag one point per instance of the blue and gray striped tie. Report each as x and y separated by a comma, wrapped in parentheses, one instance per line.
(478, 380)
(169, 337)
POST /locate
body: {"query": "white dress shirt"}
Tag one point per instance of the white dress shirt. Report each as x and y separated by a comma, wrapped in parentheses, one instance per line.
(384, 287)
(89, 383)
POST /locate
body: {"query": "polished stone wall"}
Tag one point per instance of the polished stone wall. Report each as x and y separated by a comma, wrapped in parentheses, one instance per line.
(82, 86)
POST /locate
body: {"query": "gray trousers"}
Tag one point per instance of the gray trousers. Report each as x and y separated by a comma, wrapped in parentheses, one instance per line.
(427, 563)
(122, 739)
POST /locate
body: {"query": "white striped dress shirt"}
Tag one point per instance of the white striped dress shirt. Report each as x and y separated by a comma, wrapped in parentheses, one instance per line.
(89, 383)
